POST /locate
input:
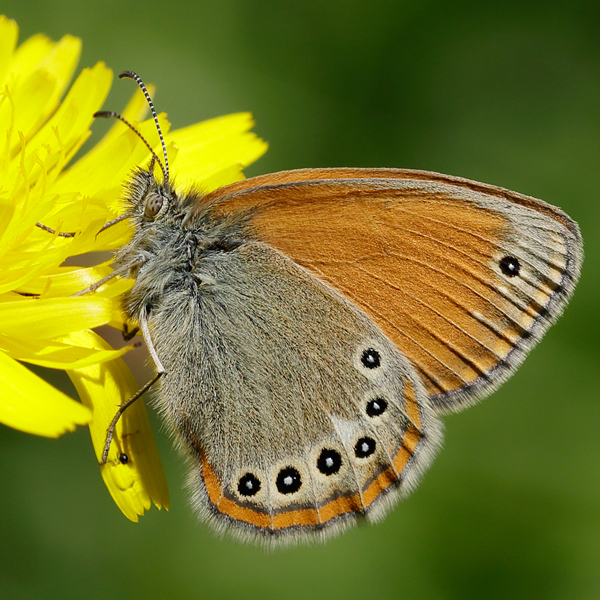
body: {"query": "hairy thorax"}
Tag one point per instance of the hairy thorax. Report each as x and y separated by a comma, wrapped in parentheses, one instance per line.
(169, 259)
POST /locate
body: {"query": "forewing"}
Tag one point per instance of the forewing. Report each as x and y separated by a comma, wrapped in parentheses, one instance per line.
(431, 259)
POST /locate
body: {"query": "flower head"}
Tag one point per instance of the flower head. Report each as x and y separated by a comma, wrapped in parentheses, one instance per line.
(42, 127)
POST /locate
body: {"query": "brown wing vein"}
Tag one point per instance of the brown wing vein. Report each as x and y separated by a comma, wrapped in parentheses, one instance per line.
(479, 236)
(434, 335)
(518, 305)
(524, 309)
(534, 284)
(402, 333)
(434, 310)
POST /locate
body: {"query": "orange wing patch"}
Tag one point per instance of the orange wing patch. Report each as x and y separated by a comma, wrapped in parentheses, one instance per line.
(420, 262)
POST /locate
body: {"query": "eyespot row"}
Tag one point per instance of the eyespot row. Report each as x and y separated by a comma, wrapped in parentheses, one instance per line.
(289, 480)
(330, 461)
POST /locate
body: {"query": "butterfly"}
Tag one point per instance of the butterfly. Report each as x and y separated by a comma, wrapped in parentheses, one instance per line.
(309, 328)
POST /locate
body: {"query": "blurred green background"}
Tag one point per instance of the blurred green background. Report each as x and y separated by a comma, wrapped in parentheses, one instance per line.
(503, 92)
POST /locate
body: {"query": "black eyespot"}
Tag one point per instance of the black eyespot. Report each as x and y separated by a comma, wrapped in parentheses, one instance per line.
(364, 447)
(248, 485)
(376, 407)
(510, 266)
(288, 481)
(154, 203)
(123, 458)
(329, 461)
(371, 359)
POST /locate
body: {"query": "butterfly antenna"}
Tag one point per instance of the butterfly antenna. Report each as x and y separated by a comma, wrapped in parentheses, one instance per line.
(138, 80)
(107, 114)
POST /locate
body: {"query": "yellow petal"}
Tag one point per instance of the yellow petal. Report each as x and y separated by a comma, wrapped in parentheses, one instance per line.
(9, 33)
(61, 61)
(20, 267)
(58, 354)
(72, 212)
(220, 178)
(7, 209)
(48, 151)
(101, 173)
(30, 54)
(214, 129)
(31, 99)
(134, 112)
(47, 319)
(65, 281)
(134, 486)
(30, 404)
(208, 148)
(35, 91)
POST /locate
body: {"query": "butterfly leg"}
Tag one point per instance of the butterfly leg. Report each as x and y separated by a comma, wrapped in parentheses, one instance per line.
(67, 234)
(121, 271)
(71, 234)
(100, 282)
(125, 405)
(151, 349)
(129, 334)
(122, 408)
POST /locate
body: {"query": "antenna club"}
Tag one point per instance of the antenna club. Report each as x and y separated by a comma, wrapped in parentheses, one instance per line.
(104, 114)
(130, 75)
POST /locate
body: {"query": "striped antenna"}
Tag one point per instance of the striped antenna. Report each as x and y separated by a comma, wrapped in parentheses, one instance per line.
(138, 80)
(108, 114)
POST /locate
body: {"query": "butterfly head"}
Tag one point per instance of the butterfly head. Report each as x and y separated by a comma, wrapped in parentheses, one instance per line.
(150, 202)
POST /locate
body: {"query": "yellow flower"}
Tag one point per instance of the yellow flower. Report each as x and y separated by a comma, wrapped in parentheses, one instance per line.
(40, 322)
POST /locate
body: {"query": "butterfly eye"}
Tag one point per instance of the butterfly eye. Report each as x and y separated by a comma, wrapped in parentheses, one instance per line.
(154, 204)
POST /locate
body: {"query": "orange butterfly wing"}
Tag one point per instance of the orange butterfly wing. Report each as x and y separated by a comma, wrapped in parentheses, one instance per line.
(420, 253)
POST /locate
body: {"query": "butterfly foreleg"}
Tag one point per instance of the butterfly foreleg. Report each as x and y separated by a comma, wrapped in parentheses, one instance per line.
(125, 405)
